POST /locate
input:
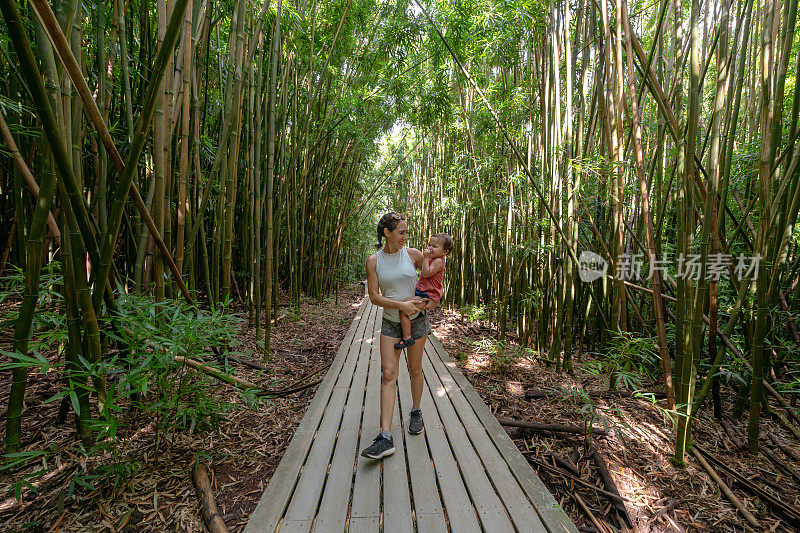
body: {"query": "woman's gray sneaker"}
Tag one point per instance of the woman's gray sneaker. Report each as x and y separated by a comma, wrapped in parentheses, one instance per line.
(415, 424)
(380, 447)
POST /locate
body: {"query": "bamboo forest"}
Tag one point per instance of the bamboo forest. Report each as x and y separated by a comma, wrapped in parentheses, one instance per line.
(197, 325)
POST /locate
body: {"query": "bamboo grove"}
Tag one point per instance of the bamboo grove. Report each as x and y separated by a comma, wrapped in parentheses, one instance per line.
(660, 136)
(224, 151)
(195, 150)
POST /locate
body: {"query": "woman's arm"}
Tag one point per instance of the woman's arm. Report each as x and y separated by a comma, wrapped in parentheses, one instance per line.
(374, 293)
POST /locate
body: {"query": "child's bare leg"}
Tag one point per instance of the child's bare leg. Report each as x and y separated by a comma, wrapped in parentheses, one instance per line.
(405, 325)
(405, 322)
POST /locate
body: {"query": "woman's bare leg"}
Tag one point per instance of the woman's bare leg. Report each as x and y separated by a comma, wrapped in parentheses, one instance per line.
(389, 364)
(414, 354)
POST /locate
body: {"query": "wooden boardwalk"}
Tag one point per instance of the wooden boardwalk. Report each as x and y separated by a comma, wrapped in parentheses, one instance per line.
(463, 473)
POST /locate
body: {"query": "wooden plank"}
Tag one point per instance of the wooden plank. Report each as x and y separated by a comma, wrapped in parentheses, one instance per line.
(332, 514)
(307, 493)
(552, 515)
(519, 508)
(365, 524)
(396, 497)
(432, 523)
(355, 403)
(269, 510)
(426, 499)
(490, 508)
(295, 526)
(460, 511)
(367, 482)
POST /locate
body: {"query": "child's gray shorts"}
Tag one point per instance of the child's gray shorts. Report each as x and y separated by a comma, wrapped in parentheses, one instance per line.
(419, 327)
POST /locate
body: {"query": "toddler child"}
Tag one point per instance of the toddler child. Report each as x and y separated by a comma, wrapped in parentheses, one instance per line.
(430, 285)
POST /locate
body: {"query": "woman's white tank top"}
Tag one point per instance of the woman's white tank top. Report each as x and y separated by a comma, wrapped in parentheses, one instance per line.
(397, 278)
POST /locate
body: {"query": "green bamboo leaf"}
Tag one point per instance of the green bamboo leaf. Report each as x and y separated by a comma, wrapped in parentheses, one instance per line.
(73, 397)
(82, 483)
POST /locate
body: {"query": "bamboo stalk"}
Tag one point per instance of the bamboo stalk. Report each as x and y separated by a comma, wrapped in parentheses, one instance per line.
(126, 170)
(22, 327)
(27, 175)
(185, 125)
(599, 525)
(658, 304)
(578, 430)
(208, 504)
(724, 487)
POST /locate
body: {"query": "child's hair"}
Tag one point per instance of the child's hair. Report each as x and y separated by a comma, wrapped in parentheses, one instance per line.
(446, 240)
(388, 221)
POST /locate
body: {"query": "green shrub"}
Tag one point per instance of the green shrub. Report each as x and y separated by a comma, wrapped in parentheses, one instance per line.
(138, 369)
(628, 359)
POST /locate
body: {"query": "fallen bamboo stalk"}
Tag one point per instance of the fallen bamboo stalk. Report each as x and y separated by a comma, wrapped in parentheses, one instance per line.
(791, 512)
(292, 390)
(664, 510)
(592, 518)
(608, 481)
(247, 362)
(208, 504)
(36, 488)
(783, 467)
(566, 464)
(728, 492)
(786, 450)
(211, 371)
(510, 422)
(561, 472)
(781, 400)
(791, 428)
(532, 394)
(734, 435)
(309, 374)
(243, 383)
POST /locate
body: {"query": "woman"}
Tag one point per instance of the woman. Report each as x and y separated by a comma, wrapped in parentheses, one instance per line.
(393, 270)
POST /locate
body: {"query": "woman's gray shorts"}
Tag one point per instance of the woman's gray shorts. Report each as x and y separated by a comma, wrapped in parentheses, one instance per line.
(419, 327)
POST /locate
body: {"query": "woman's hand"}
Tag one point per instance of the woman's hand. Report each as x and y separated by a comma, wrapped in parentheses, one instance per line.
(409, 308)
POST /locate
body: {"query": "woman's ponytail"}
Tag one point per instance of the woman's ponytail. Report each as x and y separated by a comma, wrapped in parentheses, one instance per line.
(379, 244)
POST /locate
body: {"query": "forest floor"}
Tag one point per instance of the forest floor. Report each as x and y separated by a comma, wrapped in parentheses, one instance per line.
(158, 495)
(660, 496)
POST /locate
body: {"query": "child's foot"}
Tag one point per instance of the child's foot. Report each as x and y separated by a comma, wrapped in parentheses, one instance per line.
(404, 343)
